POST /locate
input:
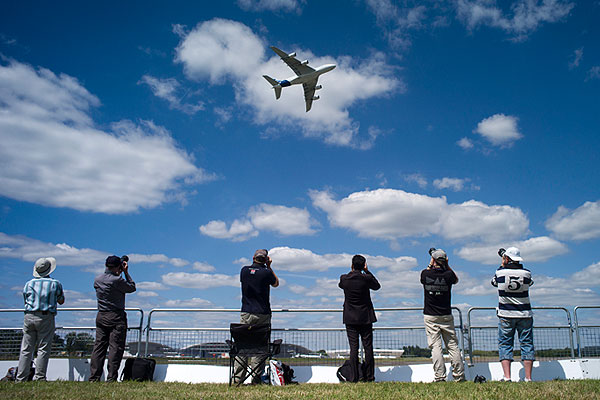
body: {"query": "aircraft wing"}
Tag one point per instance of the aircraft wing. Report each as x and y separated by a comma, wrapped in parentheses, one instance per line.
(309, 93)
(292, 62)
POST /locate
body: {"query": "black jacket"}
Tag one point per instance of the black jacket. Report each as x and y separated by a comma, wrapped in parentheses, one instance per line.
(358, 308)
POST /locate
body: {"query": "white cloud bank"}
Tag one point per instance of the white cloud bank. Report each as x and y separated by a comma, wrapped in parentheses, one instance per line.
(200, 280)
(51, 153)
(391, 214)
(583, 223)
(224, 51)
(536, 249)
(525, 16)
(298, 260)
(268, 217)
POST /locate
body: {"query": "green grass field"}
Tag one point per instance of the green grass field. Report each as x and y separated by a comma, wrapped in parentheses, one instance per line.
(588, 389)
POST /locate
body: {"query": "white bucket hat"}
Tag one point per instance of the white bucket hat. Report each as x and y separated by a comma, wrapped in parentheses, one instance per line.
(44, 266)
(514, 254)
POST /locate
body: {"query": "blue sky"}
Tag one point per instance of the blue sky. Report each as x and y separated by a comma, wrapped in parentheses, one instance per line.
(146, 129)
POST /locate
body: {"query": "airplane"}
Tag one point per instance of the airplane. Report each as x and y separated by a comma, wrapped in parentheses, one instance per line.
(305, 75)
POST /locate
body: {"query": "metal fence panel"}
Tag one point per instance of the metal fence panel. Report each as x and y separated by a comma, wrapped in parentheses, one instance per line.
(551, 341)
(588, 333)
(70, 340)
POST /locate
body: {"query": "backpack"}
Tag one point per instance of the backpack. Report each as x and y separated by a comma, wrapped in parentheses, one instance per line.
(138, 369)
(344, 373)
(288, 374)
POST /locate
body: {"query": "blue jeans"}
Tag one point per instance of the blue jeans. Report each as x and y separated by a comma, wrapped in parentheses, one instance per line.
(506, 337)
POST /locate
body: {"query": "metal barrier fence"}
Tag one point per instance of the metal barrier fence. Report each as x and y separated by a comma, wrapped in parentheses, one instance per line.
(551, 342)
(69, 340)
(301, 345)
(318, 338)
(588, 336)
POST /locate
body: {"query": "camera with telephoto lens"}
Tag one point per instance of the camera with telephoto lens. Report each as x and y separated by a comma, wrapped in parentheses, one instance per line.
(431, 250)
(501, 252)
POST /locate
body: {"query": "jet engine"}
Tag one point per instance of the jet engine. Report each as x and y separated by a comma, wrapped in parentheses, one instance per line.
(305, 62)
(318, 87)
(316, 97)
(292, 54)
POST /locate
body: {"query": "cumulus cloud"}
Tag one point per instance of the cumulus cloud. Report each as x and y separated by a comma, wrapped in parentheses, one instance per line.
(200, 280)
(391, 214)
(157, 258)
(416, 178)
(536, 249)
(213, 49)
(203, 267)
(170, 90)
(525, 16)
(49, 143)
(582, 223)
(271, 5)
(465, 143)
(298, 260)
(499, 129)
(194, 302)
(151, 286)
(267, 217)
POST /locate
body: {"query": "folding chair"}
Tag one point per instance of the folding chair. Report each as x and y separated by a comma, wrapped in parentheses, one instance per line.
(249, 341)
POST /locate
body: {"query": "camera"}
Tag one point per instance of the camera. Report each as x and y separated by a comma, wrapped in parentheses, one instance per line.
(125, 259)
(501, 252)
(431, 250)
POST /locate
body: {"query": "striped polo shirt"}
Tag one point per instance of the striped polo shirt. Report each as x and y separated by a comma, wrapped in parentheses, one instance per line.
(42, 294)
(513, 282)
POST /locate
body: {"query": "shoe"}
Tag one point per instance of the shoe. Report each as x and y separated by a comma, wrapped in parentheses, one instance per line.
(460, 379)
(505, 379)
(527, 380)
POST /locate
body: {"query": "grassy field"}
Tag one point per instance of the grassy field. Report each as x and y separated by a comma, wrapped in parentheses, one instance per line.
(587, 390)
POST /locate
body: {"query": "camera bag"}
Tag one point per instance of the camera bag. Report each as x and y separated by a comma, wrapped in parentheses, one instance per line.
(138, 369)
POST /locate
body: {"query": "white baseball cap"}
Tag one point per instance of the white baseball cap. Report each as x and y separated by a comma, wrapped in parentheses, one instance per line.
(514, 254)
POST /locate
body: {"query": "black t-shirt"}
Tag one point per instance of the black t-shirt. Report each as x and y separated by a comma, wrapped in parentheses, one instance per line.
(256, 282)
(437, 285)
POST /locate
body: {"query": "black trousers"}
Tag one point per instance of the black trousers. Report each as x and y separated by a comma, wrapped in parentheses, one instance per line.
(366, 334)
(111, 334)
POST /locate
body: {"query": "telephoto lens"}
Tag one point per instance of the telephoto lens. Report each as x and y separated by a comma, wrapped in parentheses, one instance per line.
(125, 258)
(431, 250)
(501, 252)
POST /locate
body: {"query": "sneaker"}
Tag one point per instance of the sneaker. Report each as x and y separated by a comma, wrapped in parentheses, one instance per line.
(527, 380)
(505, 379)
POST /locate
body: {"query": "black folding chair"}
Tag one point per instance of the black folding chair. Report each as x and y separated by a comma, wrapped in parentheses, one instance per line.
(249, 341)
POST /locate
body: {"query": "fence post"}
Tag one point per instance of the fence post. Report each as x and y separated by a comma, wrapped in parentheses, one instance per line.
(470, 337)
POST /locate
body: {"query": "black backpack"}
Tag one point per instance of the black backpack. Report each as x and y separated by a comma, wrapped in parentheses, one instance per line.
(288, 374)
(138, 369)
(344, 373)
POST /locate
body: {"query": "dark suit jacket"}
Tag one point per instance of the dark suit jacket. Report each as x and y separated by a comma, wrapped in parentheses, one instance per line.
(358, 308)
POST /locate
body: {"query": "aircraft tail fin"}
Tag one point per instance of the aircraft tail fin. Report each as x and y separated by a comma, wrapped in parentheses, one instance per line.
(275, 85)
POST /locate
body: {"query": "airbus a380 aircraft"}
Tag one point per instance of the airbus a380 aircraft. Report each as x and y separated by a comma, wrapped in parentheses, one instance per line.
(305, 75)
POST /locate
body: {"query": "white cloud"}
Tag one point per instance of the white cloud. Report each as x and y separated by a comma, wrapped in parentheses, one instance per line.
(271, 5)
(499, 130)
(239, 230)
(200, 280)
(455, 184)
(391, 214)
(169, 90)
(525, 16)
(298, 260)
(150, 286)
(324, 287)
(157, 258)
(577, 56)
(583, 223)
(397, 22)
(213, 49)
(49, 143)
(203, 267)
(465, 143)
(267, 217)
(536, 249)
(194, 302)
(146, 293)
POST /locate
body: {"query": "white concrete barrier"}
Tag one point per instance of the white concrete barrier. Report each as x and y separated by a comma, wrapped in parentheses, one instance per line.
(79, 370)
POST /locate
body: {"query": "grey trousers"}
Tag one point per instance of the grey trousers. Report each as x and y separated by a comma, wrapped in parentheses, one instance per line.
(438, 328)
(38, 332)
(239, 374)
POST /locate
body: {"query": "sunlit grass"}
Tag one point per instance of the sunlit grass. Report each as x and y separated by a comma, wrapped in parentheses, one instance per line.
(588, 389)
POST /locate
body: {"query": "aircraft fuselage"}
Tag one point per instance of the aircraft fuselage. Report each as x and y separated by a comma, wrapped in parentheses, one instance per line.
(306, 78)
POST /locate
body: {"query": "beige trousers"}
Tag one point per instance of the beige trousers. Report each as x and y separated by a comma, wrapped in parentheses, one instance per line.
(438, 328)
